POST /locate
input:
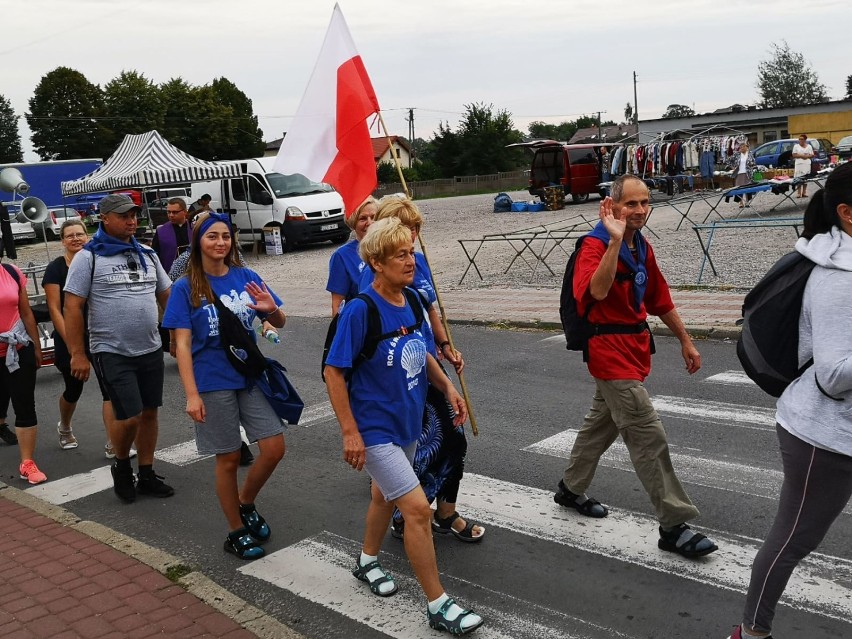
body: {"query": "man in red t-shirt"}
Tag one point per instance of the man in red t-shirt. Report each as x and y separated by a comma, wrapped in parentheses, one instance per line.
(617, 275)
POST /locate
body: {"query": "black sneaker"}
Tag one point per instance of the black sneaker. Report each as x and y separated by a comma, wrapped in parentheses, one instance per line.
(254, 523)
(123, 483)
(153, 486)
(9, 438)
(246, 458)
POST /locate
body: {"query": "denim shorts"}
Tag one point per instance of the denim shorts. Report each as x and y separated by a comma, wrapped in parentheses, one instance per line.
(225, 410)
(391, 467)
(132, 383)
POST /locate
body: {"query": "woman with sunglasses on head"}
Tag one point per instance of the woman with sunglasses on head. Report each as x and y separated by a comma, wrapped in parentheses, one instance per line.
(218, 397)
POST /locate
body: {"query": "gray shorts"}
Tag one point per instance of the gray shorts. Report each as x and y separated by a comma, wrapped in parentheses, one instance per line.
(224, 412)
(391, 467)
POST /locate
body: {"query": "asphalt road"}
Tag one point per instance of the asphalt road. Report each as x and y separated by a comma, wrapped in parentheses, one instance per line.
(542, 571)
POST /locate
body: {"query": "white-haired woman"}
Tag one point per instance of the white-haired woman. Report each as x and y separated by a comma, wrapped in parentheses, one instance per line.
(379, 402)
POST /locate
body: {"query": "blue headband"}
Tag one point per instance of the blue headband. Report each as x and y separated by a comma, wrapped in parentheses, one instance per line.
(213, 219)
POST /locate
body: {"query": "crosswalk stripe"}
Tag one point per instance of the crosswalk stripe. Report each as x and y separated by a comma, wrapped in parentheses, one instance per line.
(73, 487)
(817, 585)
(743, 479)
(186, 453)
(66, 489)
(319, 569)
(703, 410)
(731, 378)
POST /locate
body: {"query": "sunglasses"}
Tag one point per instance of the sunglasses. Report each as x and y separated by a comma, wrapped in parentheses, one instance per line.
(133, 267)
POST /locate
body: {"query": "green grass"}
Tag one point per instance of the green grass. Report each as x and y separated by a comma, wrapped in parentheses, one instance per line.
(176, 572)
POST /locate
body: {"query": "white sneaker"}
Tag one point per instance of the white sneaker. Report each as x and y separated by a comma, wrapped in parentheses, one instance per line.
(109, 451)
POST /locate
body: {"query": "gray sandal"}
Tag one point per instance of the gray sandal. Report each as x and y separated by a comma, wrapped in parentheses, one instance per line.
(360, 573)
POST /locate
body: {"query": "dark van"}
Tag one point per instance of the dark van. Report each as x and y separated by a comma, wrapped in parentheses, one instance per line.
(575, 166)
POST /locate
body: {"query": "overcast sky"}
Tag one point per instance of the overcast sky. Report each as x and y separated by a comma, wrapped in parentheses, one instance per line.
(549, 60)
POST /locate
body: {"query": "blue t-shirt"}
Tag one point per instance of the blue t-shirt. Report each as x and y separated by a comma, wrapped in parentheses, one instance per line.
(344, 270)
(387, 393)
(212, 369)
(422, 279)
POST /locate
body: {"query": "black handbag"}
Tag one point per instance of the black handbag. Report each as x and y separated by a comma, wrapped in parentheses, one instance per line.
(240, 347)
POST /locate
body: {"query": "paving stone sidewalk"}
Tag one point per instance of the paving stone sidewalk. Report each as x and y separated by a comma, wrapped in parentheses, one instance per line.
(64, 578)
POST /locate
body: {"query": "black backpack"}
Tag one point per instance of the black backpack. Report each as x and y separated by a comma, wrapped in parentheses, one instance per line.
(768, 348)
(374, 329)
(576, 327)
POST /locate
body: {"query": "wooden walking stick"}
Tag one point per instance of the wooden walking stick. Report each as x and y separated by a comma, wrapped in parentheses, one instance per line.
(473, 427)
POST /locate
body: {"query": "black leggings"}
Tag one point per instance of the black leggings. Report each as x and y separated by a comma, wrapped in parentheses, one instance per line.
(20, 387)
(73, 386)
(817, 486)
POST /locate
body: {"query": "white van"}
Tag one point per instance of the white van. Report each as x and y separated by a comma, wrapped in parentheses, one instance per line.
(305, 211)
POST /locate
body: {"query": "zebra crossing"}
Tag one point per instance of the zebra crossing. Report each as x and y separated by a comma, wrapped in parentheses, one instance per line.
(318, 567)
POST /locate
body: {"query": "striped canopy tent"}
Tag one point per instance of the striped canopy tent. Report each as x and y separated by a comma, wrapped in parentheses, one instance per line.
(147, 160)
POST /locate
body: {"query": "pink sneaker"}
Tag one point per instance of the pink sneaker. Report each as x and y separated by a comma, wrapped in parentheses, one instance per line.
(738, 634)
(31, 473)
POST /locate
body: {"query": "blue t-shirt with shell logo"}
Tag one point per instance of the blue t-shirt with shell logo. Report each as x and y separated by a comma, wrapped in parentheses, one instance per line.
(387, 393)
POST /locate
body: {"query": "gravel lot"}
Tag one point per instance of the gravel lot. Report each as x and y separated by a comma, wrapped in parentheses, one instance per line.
(741, 256)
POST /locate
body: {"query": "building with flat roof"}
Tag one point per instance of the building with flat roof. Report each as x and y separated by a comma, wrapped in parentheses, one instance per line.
(830, 120)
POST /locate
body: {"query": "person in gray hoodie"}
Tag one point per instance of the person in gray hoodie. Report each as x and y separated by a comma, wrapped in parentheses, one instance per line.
(814, 420)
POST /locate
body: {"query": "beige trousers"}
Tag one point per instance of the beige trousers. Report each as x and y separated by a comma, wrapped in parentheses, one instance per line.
(623, 407)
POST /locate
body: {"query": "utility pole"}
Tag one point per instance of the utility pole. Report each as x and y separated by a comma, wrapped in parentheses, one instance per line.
(410, 135)
(635, 104)
(599, 127)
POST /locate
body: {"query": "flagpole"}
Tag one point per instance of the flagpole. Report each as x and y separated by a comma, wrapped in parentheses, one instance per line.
(473, 427)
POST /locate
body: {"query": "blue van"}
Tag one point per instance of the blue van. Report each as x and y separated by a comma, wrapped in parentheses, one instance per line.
(778, 153)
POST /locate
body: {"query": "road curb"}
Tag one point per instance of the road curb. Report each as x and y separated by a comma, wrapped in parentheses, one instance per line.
(176, 569)
(696, 331)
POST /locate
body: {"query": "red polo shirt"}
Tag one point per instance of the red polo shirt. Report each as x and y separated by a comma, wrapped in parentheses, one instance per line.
(619, 356)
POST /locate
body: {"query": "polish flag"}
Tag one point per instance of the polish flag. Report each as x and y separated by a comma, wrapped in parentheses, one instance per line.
(329, 140)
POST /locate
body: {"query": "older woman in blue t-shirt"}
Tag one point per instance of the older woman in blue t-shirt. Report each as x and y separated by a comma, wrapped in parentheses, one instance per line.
(380, 410)
(345, 266)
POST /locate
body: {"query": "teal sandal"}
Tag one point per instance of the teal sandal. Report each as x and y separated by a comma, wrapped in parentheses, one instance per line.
(243, 545)
(439, 621)
(360, 573)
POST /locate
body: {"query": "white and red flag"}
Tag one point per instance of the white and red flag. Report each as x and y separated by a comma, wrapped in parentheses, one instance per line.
(329, 139)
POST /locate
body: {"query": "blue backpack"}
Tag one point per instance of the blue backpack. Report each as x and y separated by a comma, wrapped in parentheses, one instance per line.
(502, 203)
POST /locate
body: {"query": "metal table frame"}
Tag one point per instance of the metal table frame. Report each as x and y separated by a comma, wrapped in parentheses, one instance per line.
(766, 222)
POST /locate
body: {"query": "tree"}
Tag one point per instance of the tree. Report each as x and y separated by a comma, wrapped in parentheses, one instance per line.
(484, 135)
(543, 131)
(787, 80)
(64, 117)
(386, 173)
(133, 104)
(196, 121)
(10, 139)
(248, 138)
(849, 87)
(444, 151)
(628, 113)
(678, 111)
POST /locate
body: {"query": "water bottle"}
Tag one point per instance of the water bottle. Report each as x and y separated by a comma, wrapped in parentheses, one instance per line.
(270, 335)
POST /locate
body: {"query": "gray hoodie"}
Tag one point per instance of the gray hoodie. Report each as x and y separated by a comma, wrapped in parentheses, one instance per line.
(825, 333)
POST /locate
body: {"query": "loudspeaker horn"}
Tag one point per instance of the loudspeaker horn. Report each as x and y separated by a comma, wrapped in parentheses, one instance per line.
(32, 210)
(12, 181)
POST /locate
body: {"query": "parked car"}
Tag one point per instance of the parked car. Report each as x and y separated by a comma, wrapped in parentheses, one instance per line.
(778, 153)
(52, 225)
(844, 148)
(575, 167)
(22, 231)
